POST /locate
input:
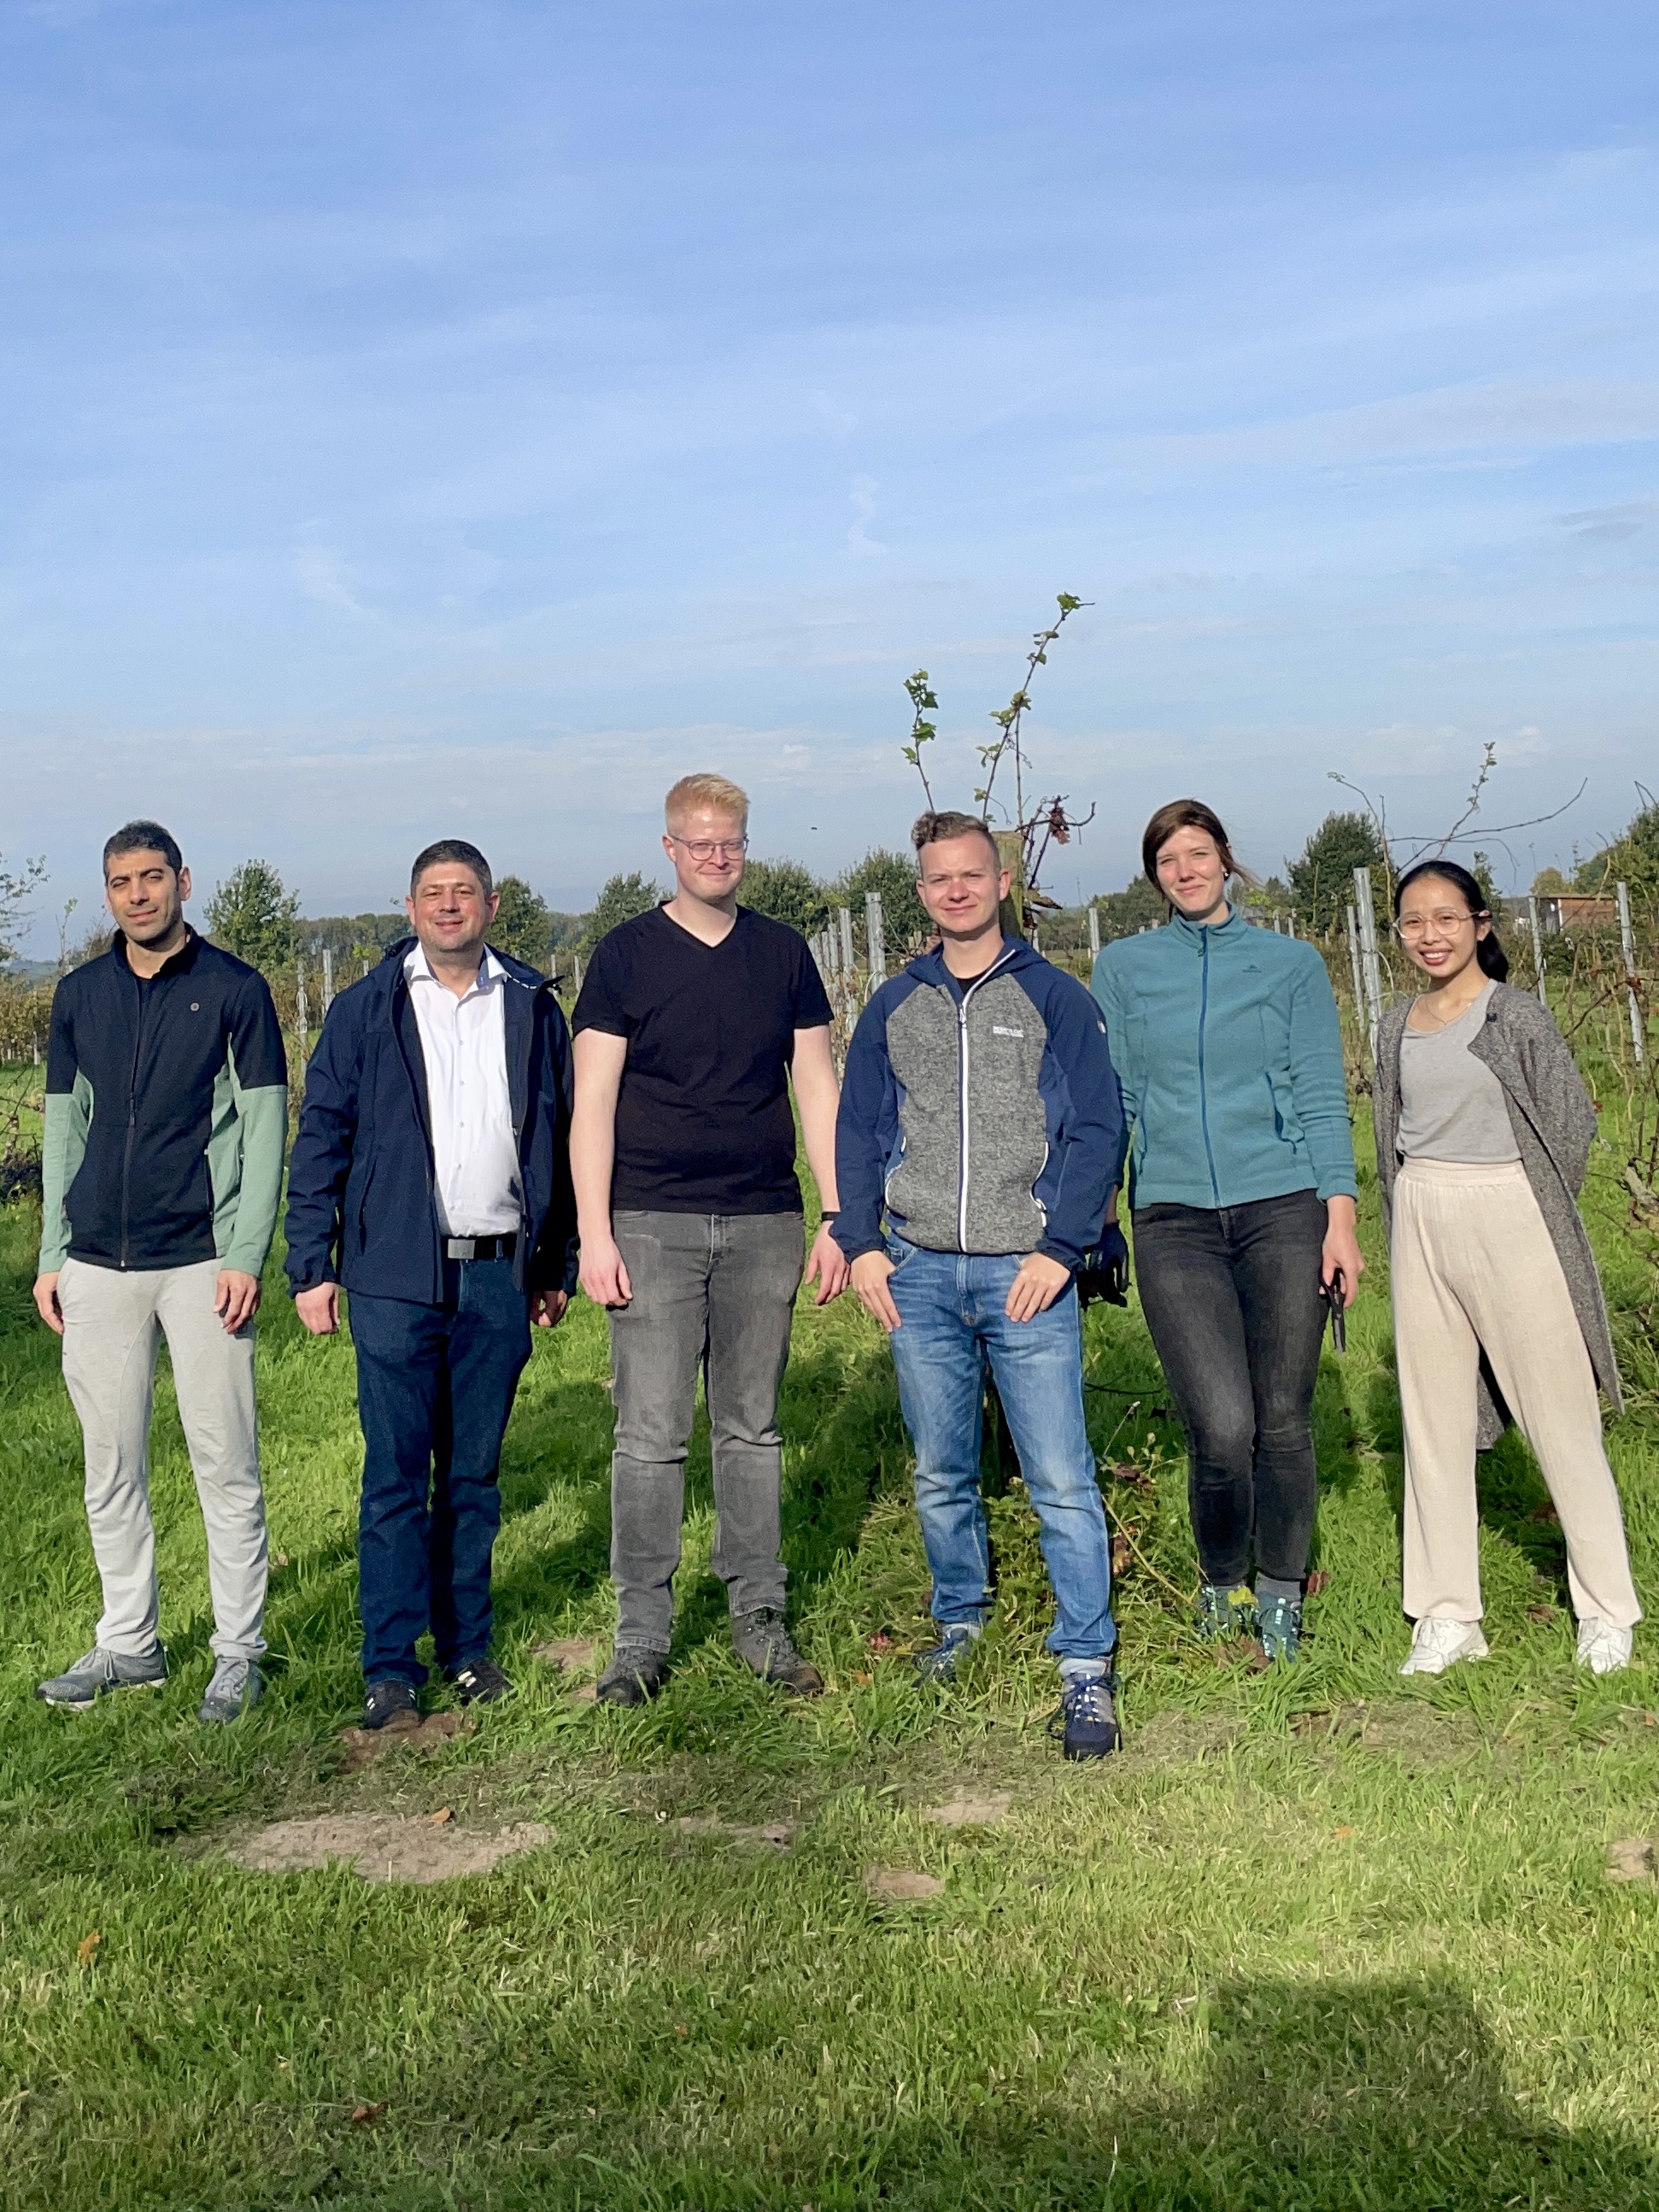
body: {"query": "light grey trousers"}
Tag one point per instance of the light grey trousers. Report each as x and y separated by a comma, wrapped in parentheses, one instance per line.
(113, 1324)
(715, 1294)
(1472, 1268)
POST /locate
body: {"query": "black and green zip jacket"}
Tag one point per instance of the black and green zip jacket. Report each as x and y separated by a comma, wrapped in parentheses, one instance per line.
(166, 1110)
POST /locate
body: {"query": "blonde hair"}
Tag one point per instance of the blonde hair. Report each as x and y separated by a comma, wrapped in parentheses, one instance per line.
(706, 794)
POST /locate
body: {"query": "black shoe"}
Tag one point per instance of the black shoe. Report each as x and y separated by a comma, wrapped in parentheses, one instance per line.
(762, 1643)
(1086, 1722)
(633, 1678)
(386, 1703)
(481, 1682)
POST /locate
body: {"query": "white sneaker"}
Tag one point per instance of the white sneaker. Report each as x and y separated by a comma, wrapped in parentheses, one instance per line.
(1437, 1644)
(1603, 1647)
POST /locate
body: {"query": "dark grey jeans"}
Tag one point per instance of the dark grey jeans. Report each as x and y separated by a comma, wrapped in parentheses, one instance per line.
(715, 1294)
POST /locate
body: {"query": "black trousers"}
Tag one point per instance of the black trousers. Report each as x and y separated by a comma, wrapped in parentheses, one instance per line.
(1231, 1296)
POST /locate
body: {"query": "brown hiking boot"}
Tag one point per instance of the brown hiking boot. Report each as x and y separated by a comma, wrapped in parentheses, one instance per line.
(761, 1641)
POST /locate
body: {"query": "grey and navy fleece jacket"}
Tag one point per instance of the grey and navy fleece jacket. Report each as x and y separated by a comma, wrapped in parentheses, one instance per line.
(167, 1113)
(981, 1118)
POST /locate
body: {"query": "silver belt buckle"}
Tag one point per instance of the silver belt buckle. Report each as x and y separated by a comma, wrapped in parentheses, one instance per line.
(462, 1248)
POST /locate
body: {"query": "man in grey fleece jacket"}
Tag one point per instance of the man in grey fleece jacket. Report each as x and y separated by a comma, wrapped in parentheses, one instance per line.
(978, 1138)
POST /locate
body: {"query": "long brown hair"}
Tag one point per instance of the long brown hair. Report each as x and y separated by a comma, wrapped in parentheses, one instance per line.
(1187, 814)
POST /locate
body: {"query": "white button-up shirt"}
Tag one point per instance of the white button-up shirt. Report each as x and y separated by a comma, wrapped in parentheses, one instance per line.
(463, 1042)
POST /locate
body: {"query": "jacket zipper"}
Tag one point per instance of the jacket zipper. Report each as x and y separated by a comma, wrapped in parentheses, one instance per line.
(1203, 1094)
(132, 1123)
(962, 1062)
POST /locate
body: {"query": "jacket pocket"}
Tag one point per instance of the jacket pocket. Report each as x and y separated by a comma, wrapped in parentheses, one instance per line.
(1286, 1127)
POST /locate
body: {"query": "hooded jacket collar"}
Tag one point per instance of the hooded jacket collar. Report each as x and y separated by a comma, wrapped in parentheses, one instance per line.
(930, 967)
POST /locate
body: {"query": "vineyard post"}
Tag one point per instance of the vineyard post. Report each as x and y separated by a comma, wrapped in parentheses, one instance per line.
(1537, 949)
(1627, 941)
(1094, 931)
(328, 981)
(1370, 966)
(1353, 963)
(876, 936)
(844, 915)
(301, 1012)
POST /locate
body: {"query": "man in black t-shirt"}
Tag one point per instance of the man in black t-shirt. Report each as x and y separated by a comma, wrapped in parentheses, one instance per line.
(692, 1022)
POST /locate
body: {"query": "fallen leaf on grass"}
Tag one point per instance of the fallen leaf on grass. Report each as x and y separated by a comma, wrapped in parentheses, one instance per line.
(367, 2113)
(1540, 1614)
(881, 1641)
(1136, 1477)
(966, 1810)
(1630, 1860)
(901, 1885)
(1121, 1556)
(1319, 1581)
(87, 1949)
(1545, 1513)
(440, 1818)
(863, 1680)
(1344, 1832)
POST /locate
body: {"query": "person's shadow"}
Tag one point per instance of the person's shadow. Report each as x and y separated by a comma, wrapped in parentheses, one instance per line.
(1312, 2097)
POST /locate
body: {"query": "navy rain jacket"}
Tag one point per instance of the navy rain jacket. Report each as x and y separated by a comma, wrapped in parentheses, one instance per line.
(361, 1184)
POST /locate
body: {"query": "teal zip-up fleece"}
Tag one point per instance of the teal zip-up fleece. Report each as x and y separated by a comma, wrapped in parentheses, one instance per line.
(1226, 1045)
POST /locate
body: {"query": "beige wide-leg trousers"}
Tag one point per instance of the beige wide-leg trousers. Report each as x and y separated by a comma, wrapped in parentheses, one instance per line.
(113, 1324)
(1473, 1267)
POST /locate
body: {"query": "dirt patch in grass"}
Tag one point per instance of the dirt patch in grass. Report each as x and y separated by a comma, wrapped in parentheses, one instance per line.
(774, 1835)
(1420, 1735)
(1174, 1736)
(364, 1746)
(971, 1808)
(381, 1847)
(1633, 1860)
(901, 1885)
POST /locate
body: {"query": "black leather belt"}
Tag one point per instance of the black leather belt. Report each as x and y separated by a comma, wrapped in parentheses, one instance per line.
(482, 1248)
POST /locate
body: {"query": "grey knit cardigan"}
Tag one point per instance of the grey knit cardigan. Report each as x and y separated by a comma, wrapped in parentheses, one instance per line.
(1554, 1125)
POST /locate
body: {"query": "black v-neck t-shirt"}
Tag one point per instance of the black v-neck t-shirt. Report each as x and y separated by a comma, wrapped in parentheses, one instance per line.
(703, 1120)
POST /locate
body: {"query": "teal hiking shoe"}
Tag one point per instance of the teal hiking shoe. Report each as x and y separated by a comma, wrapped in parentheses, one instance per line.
(1225, 1614)
(1278, 1626)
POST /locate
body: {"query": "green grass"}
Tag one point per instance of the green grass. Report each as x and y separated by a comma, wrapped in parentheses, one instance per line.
(1318, 1938)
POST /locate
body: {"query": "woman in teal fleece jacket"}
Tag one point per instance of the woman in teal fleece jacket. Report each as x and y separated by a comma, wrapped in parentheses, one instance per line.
(1241, 1187)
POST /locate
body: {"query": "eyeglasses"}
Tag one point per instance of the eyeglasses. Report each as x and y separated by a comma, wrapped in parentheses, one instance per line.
(705, 848)
(1444, 920)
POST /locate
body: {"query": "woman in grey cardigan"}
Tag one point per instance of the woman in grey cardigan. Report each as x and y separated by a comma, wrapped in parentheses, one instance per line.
(1482, 1131)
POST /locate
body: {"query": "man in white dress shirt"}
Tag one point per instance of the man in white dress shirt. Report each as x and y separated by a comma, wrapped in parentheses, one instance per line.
(431, 1178)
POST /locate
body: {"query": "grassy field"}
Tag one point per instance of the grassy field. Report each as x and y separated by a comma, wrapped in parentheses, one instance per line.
(1318, 1938)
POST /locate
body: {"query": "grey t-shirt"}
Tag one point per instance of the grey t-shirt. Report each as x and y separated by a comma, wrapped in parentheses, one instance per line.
(1451, 1104)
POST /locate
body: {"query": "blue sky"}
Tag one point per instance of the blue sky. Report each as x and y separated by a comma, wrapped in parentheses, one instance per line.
(463, 418)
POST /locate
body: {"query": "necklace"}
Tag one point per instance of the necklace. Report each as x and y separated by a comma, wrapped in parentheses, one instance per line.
(1443, 1021)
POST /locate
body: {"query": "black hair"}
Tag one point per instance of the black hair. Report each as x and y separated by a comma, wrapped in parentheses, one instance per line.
(1489, 954)
(144, 837)
(453, 849)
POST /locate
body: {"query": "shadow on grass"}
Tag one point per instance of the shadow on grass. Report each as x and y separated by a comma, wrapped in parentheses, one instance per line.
(1337, 2097)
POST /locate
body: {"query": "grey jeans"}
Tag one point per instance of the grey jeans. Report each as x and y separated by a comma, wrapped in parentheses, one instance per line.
(714, 1293)
(113, 1324)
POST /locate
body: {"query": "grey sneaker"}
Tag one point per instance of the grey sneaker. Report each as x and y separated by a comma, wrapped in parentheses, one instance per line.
(79, 1688)
(762, 1643)
(237, 1685)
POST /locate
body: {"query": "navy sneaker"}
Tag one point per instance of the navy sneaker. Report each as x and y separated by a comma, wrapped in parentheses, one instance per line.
(940, 1661)
(481, 1682)
(1086, 1722)
(386, 1703)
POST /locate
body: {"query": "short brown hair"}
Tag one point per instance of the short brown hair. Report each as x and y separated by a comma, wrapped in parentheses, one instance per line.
(935, 828)
(706, 794)
(460, 854)
(1187, 814)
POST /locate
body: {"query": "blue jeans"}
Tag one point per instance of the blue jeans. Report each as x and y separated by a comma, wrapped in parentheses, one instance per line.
(435, 1388)
(950, 1312)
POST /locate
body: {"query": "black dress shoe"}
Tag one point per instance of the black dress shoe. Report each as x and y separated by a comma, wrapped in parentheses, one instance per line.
(481, 1682)
(387, 1702)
